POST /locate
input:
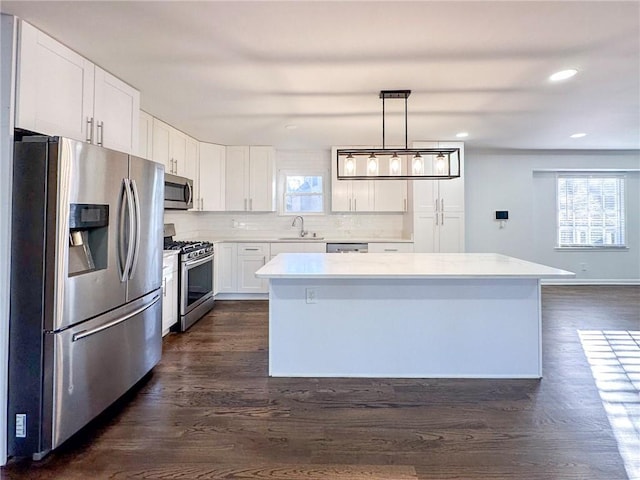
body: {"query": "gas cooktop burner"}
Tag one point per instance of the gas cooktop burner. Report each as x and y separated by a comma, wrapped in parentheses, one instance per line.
(189, 249)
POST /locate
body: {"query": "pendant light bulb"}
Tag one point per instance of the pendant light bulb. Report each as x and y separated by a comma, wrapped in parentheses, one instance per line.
(418, 165)
(394, 164)
(440, 163)
(372, 164)
(349, 164)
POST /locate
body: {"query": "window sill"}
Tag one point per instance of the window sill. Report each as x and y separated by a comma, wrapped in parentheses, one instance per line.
(590, 248)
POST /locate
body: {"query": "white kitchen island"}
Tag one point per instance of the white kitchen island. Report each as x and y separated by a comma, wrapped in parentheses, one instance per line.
(405, 315)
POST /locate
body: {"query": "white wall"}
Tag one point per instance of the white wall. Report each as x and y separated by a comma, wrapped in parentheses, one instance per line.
(505, 180)
(7, 53)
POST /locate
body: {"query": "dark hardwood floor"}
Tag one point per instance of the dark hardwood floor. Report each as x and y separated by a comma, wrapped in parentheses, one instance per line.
(209, 411)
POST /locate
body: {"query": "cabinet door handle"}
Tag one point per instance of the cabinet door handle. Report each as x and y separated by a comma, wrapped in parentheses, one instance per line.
(355, 204)
(442, 204)
(89, 129)
(245, 204)
(390, 249)
(442, 219)
(349, 204)
(164, 287)
(100, 133)
(437, 223)
(251, 204)
(251, 249)
(404, 203)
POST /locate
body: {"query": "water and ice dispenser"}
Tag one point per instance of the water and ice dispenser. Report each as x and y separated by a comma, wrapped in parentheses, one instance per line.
(88, 237)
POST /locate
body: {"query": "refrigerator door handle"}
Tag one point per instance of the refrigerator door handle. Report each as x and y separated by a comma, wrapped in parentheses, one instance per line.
(121, 226)
(130, 208)
(113, 323)
(136, 209)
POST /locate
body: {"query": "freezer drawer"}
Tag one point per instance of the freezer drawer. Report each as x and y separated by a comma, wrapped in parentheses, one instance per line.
(98, 361)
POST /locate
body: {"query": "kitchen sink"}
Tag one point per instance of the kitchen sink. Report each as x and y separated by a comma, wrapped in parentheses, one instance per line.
(304, 239)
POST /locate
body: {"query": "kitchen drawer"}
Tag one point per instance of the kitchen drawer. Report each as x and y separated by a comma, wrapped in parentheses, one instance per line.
(401, 247)
(296, 247)
(253, 249)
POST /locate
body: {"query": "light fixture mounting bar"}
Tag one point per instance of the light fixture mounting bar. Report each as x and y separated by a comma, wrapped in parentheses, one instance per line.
(384, 94)
(395, 94)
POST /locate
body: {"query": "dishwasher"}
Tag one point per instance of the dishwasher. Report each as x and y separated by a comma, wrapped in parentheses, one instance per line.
(347, 247)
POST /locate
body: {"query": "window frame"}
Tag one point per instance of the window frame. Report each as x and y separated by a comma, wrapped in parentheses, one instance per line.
(300, 172)
(622, 199)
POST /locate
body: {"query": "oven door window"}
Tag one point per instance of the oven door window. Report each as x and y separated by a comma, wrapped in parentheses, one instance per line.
(199, 282)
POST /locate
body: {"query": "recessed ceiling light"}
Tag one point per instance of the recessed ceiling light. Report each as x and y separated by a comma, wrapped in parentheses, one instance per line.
(291, 127)
(578, 135)
(462, 134)
(563, 75)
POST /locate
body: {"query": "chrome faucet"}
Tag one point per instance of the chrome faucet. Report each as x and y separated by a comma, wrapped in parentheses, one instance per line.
(302, 230)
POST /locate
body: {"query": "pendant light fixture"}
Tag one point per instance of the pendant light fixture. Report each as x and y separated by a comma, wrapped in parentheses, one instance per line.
(397, 163)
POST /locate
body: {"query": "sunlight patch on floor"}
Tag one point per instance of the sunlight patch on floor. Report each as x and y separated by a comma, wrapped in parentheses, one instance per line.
(614, 357)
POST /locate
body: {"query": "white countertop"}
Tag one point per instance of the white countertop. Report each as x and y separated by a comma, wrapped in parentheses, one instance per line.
(404, 265)
(309, 240)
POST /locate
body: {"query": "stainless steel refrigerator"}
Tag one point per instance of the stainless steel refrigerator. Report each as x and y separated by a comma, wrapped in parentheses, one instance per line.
(86, 275)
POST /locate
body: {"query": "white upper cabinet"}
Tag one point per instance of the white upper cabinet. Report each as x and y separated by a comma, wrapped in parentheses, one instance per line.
(61, 93)
(390, 195)
(366, 195)
(250, 179)
(191, 159)
(161, 151)
(54, 93)
(440, 195)
(177, 151)
(145, 142)
(116, 113)
(210, 195)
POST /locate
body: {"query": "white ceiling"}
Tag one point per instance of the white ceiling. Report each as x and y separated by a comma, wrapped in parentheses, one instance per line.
(239, 72)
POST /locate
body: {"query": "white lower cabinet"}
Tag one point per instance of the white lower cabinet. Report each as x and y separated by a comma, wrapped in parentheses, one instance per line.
(169, 291)
(297, 247)
(224, 265)
(390, 247)
(236, 265)
(251, 257)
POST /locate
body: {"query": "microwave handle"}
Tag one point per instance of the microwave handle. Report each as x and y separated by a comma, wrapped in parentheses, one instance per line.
(189, 193)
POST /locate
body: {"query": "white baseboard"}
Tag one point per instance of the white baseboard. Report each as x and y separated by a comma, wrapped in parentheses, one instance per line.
(592, 281)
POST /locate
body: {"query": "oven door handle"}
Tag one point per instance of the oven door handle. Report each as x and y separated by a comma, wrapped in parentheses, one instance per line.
(198, 261)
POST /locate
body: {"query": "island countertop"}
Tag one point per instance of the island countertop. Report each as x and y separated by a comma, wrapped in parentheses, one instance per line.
(405, 265)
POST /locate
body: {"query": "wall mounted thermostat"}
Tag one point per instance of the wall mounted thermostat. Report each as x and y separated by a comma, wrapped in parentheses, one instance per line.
(502, 216)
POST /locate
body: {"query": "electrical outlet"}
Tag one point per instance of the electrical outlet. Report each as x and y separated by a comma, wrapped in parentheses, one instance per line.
(583, 267)
(21, 425)
(311, 295)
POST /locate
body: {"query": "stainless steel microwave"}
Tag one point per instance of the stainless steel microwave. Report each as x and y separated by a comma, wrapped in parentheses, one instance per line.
(178, 192)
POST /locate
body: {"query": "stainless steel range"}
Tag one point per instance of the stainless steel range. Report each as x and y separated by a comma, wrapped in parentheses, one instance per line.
(195, 282)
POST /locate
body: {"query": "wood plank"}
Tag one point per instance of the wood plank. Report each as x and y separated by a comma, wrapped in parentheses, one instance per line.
(209, 411)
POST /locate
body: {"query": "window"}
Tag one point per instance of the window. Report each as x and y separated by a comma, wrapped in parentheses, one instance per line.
(303, 194)
(591, 211)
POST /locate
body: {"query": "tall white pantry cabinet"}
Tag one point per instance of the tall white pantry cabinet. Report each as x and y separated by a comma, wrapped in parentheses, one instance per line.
(437, 208)
(59, 92)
